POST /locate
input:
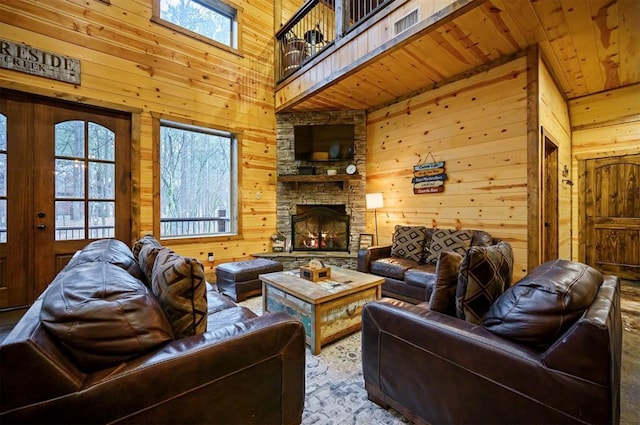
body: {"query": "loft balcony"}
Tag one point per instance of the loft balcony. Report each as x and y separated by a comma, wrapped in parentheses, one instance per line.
(363, 54)
(315, 27)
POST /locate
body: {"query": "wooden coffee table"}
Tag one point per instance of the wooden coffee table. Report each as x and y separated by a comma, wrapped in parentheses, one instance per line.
(328, 309)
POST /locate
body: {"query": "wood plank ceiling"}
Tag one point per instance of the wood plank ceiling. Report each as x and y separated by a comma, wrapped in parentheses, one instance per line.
(590, 45)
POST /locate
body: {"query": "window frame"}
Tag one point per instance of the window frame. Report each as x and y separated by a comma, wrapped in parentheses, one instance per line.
(220, 6)
(235, 215)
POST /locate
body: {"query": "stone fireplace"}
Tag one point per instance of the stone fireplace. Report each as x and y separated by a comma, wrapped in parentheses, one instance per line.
(342, 192)
(320, 228)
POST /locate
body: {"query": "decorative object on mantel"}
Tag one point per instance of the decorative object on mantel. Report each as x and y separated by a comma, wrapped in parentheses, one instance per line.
(315, 271)
(428, 177)
(373, 202)
(278, 242)
(306, 170)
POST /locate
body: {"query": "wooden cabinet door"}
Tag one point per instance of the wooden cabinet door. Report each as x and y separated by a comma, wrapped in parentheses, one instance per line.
(611, 206)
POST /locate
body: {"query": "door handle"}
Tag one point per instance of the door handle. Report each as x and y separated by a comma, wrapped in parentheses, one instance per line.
(41, 226)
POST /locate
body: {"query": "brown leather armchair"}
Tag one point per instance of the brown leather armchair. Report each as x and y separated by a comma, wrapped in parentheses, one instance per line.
(535, 358)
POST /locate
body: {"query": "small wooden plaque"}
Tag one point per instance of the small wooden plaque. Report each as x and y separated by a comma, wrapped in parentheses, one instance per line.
(314, 275)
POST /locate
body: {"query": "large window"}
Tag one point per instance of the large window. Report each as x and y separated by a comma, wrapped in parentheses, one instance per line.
(203, 19)
(198, 182)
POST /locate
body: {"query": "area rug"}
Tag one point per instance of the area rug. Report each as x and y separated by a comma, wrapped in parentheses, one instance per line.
(334, 386)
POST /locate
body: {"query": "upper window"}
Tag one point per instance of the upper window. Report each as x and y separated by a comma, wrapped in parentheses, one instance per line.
(203, 19)
(198, 182)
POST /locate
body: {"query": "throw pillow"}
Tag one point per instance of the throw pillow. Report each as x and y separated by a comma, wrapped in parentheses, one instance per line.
(147, 258)
(448, 240)
(443, 298)
(180, 285)
(545, 303)
(408, 242)
(485, 273)
(143, 241)
(102, 315)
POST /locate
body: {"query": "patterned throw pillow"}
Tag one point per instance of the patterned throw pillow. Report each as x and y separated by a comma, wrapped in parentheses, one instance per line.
(147, 258)
(142, 242)
(408, 242)
(485, 273)
(443, 298)
(448, 240)
(180, 285)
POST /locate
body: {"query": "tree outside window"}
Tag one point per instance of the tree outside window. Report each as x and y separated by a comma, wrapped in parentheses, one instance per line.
(212, 19)
(197, 181)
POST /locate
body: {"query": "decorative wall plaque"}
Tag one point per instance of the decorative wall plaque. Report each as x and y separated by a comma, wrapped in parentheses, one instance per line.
(429, 177)
(27, 59)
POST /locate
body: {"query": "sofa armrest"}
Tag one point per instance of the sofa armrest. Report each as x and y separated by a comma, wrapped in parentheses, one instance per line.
(366, 256)
(243, 373)
(599, 329)
(414, 359)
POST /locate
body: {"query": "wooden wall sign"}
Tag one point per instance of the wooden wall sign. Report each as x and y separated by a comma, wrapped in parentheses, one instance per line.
(27, 59)
(428, 178)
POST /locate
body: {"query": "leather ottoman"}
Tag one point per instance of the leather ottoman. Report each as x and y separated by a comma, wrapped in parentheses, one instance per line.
(239, 280)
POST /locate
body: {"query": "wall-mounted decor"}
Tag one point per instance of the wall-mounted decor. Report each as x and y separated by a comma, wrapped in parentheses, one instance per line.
(429, 177)
(24, 58)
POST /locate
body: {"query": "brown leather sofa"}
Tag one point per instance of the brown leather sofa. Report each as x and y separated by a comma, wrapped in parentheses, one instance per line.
(409, 278)
(99, 346)
(548, 351)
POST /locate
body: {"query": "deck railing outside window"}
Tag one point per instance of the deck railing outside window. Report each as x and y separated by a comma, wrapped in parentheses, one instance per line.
(315, 26)
(201, 226)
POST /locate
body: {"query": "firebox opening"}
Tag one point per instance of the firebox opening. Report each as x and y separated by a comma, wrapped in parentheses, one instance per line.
(320, 228)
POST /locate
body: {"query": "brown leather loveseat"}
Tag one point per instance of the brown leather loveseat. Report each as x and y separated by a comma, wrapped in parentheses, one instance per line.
(548, 350)
(114, 340)
(408, 264)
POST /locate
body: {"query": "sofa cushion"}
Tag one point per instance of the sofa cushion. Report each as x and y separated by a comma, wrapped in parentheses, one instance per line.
(109, 251)
(448, 240)
(393, 267)
(180, 285)
(422, 276)
(408, 242)
(546, 302)
(443, 298)
(485, 272)
(102, 315)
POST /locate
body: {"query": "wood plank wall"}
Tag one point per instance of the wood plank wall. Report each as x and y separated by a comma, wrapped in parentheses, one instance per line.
(131, 64)
(554, 119)
(604, 124)
(478, 126)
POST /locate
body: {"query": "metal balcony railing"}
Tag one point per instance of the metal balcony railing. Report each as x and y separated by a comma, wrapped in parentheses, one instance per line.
(316, 26)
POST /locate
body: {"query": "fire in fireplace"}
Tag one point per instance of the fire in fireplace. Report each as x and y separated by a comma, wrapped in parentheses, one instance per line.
(320, 228)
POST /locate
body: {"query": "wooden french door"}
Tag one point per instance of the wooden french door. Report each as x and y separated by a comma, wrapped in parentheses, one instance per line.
(65, 173)
(610, 213)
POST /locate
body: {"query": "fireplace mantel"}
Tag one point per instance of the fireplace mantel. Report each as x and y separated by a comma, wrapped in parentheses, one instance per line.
(317, 179)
